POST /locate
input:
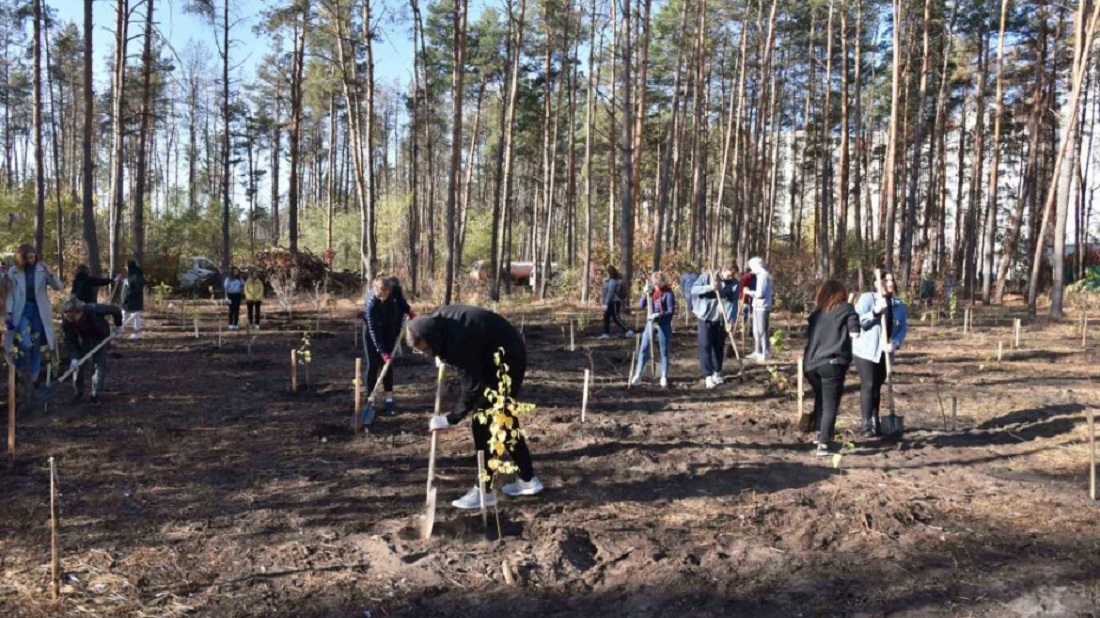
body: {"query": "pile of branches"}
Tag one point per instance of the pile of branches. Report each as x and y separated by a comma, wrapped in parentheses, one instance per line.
(308, 270)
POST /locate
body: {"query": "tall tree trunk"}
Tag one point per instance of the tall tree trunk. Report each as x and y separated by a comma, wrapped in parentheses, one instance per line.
(368, 237)
(91, 242)
(664, 183)
(994, 166)
(118, 134)
(970, 265)
(458, 73)
(296, 77)
(143, 132)
(505, 200)
(589, 121)
(227, 255)
(841, 236)
(39, 162)
(626, 208)
(889, 193)
(908, 229)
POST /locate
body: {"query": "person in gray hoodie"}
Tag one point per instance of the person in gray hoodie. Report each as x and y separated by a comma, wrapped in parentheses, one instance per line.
(706, 291)
(761, 309)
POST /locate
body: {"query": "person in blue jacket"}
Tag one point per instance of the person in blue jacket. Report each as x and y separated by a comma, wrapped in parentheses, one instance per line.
(712, 324)
(870, 349)
(383, 315)
(660, 302)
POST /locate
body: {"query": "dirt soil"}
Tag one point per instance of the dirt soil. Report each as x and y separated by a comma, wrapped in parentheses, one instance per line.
(202, 487)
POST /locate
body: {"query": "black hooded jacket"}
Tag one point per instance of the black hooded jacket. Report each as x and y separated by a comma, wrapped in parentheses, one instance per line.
(84, 287)
(467, 338)
(133, 290)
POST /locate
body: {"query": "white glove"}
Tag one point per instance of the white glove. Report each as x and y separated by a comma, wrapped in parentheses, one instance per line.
(74, 364)
(438, 362)
(653, 316)
(889, 347)
(227, 302)
(880, 305)
(438, 422)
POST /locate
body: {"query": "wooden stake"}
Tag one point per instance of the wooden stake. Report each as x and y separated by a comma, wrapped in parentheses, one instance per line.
(1084, 328)
(934, 312)
(1092, 456)
(633, 359)
(481, 488)
(219, 336)
(358, 382)
(800, 387)
(55, 561)
(954, 413)
(294, 371)
(1017, 333)
(572, 338)
(1000, 351)
(584, 398)
(355, 335)
(11, 413)
(196, 328)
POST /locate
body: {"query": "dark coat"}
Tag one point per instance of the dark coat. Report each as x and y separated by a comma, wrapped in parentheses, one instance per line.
(133, 289)
(90, 329)
(382, 319)
(467, 338)
(84, 287)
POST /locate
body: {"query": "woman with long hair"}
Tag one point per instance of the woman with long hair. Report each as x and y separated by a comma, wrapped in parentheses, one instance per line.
(612, 304)
(876, 309)
(828, 354)
(659, 300)
(29, 313)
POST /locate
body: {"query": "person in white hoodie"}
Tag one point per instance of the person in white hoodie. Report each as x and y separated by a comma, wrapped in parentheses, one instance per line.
(761, 309)
(613, 304)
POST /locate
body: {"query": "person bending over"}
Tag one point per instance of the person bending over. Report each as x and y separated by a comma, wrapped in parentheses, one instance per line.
(385, 309)
(85, 327)
(467, 338)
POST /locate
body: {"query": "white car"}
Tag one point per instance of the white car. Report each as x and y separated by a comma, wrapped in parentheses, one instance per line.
(197, 271)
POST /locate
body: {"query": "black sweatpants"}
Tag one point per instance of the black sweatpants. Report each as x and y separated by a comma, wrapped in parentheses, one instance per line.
(871, 378)
(612, 312)
(828, 383)
(234, 308)
(518, 451)
(254, 312)
(712, 346)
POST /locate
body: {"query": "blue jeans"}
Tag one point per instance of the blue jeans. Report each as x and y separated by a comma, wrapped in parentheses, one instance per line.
(664, 336)
(32, 336)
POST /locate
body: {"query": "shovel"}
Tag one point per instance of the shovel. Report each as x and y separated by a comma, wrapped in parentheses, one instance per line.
(429, 508)
(730, 330)
(366, 415)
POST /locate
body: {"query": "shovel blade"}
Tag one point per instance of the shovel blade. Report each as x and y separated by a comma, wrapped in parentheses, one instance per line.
(893, 426)
(429, 515)
(366, 416)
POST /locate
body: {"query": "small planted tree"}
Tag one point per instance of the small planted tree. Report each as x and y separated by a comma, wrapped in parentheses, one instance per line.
(304, 355)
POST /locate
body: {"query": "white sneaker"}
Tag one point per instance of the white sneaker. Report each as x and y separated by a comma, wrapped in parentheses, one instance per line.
(628, 333)
(523, 488)
(636, 380)
(664, 382)
(472, 500)
(709, 381)
(604, 336)
(133, 336)
(718, 379)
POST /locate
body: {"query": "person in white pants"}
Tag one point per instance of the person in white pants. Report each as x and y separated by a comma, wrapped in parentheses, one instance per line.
(761, 309)
(133, 296)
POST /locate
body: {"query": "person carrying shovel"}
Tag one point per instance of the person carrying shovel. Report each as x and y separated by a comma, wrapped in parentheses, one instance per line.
(467, 338)
(385, 311)
(661, 304)
(872, 348)
(712, 294)
(85, 327)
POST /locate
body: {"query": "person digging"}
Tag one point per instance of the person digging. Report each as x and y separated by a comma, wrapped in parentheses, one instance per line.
(467, 338)
(85, 327)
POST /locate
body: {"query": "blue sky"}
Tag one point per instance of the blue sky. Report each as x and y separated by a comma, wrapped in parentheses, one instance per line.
(393, 55)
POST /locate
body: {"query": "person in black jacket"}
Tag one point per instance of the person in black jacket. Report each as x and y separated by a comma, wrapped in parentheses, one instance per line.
(828, 354)
(467, 338)
(385, 310)
(85, 327)
(85, 285)
(133, 296)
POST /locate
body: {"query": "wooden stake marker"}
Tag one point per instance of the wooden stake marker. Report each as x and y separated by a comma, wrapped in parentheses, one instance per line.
(481, 488)
(633, 360)
(584, 397)
(572, 338)
(1092, 456)
(11, 413)
(1000, 351)
(1017, 325)
(954, 413)
(1084, 328)
(55, 560)
(358, 382)
(219, 336)
(294, 371)
(196, 328)
(800, 387)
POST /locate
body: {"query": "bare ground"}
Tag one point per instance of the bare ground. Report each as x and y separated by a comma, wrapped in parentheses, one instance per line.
(201, 487)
